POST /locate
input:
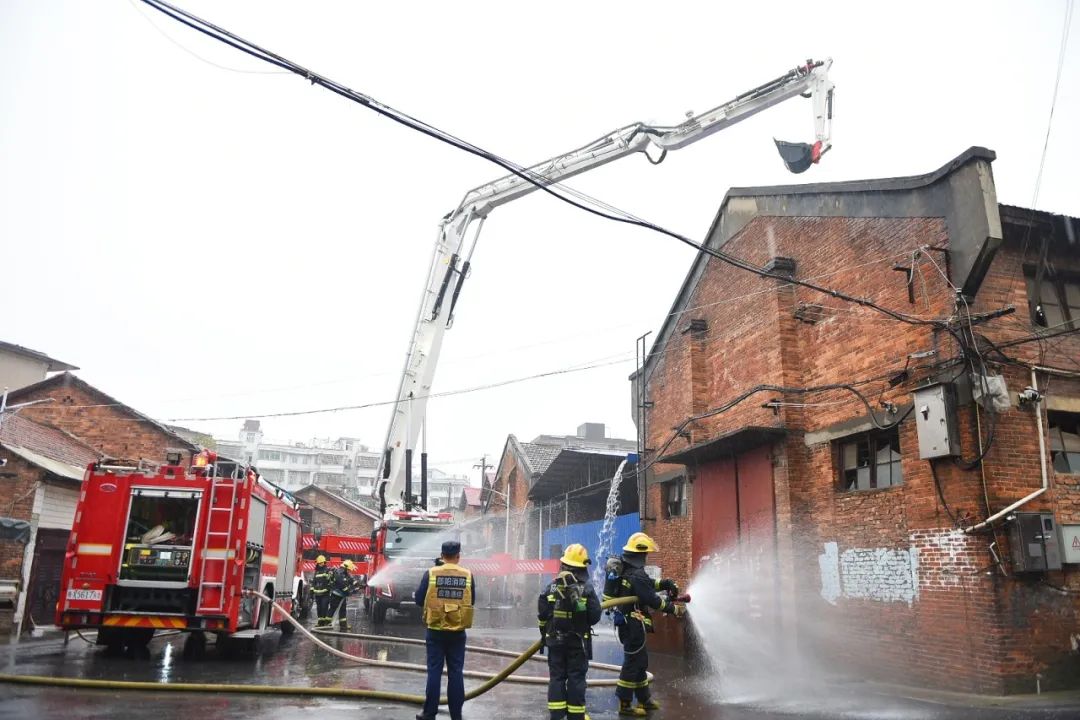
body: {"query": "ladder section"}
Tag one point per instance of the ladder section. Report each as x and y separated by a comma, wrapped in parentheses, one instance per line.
(216, 546)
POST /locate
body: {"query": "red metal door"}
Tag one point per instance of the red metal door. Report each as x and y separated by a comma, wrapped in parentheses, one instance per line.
(733, 504)
(757, 511)
(715, 508)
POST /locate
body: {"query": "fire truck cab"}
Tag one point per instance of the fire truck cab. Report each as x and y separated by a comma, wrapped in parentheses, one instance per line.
(175, 548)
(403, 546)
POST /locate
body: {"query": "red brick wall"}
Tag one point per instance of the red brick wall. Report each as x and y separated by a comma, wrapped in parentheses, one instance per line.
(969, 625)
(112, 430)
(16, 501)
(335, 515)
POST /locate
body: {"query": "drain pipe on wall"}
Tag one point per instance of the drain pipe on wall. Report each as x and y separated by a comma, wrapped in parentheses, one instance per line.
(1042, 463)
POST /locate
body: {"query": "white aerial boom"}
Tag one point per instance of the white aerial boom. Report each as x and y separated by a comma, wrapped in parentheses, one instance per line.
(451, 260)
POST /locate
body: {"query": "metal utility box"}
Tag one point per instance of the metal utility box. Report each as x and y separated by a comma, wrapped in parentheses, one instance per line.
(1070, 543)
(1033, 538)
(935, 421)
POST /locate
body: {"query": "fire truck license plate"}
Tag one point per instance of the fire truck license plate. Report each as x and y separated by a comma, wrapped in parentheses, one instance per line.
(83, 594)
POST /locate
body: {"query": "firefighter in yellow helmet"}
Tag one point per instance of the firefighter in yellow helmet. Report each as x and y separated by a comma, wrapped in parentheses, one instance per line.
(343, 584)
(567, 610)
(321, 581)
(625, 577)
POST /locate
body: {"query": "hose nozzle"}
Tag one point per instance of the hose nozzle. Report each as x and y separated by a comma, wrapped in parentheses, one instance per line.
(684, 598)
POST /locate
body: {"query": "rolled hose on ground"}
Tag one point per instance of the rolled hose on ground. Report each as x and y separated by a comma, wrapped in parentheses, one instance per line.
(410, 698)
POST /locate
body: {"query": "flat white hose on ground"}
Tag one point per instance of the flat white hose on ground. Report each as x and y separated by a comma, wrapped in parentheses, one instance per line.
(360, 693)
(416, 667)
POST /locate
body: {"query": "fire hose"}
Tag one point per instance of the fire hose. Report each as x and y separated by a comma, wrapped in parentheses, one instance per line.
(490, 682)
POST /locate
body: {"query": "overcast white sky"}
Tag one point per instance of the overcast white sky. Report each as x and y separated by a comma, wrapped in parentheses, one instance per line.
(205, 242)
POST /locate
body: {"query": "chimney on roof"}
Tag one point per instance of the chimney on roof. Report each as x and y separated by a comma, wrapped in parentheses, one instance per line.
(591, 431)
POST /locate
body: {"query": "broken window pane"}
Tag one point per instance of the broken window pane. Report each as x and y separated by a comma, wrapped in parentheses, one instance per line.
(1064, 432)
(870, 460)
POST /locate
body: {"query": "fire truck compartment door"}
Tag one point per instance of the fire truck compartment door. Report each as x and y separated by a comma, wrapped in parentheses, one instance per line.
(257, 522)
(290, 531)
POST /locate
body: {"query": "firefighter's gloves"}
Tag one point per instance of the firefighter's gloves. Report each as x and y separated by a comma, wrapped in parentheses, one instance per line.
(668, 585)
(679, 611)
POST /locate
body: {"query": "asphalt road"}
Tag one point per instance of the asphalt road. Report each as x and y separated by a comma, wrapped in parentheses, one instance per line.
(295, 661)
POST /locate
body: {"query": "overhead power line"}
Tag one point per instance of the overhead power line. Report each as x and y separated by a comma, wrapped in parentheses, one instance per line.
(381, 403)
(541, 183)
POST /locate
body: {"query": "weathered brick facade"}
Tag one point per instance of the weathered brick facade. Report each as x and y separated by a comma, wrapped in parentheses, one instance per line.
(334, 514)
(919, 599)
(114, 429)
(38, 482)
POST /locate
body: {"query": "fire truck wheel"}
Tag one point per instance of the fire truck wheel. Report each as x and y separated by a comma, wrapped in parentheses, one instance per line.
(287, 628)
(304, 600)
(378, 612)
(265, 609)
(227, 647)
(112, 640)
(137, 642)
(195, 646)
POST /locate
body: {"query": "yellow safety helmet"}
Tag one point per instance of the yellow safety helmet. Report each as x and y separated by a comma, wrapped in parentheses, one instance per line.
(321, 560)
(348, 564)
(639, 542)
(575, 556)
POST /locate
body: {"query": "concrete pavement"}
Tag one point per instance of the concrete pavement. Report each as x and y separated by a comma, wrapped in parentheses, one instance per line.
(295, 661)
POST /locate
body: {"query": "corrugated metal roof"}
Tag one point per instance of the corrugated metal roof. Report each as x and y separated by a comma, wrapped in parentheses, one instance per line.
(62, 469)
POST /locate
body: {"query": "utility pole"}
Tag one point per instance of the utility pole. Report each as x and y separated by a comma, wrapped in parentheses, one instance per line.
(506, 497)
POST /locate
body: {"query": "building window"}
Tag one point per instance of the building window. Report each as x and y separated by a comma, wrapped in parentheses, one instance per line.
(675, 497)
(1055, 303)
(367, 461)
(870, 460)
(274, 476)
(1064, 441)
(269, 455)
(252, 437)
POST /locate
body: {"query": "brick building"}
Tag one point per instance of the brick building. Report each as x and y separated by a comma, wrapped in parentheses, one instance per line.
(114, 429)
(781, 426)
(40, 472)
(324, 511)
(62, 424)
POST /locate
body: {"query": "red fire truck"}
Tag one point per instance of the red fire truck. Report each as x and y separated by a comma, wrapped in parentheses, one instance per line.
(175, 548)
(404, 545)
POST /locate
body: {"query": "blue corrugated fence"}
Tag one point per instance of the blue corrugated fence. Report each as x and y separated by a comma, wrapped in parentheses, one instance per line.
(588, 534)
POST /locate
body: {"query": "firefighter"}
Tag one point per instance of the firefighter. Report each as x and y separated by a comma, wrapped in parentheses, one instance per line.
(343, 585)
(567, 610)
(320, 589)
(446, 595)
(627, 577)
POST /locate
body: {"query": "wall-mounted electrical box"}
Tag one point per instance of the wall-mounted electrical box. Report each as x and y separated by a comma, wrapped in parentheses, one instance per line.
(935, 421)
(1033, 538)
(1070, 543)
